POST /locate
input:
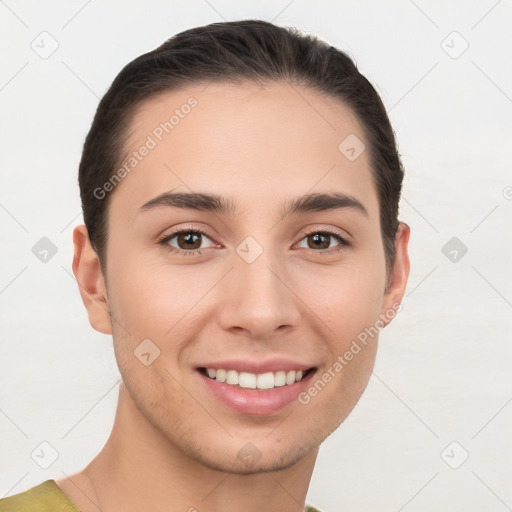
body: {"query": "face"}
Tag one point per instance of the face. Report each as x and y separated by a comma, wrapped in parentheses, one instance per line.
(245, 288)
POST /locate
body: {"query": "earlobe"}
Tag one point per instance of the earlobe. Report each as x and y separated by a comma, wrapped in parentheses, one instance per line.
(90, 279)
(399, 274)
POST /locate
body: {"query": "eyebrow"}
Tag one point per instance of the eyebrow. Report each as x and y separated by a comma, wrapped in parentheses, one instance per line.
(218, 204)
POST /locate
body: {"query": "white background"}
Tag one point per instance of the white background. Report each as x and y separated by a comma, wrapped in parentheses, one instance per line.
(443, 370)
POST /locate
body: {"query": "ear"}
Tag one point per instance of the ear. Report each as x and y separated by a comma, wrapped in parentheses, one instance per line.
(91, 283)
(399, 275)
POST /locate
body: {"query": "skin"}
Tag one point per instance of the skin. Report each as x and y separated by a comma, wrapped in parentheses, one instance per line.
(173, 445)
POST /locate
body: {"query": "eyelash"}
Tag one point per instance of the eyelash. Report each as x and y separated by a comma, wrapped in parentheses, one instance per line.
(163, 241)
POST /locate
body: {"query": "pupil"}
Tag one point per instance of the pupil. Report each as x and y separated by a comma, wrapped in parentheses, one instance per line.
(316, 237)
(190, 238)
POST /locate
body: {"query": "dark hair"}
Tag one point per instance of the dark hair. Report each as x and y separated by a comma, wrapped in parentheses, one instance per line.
(237, 51)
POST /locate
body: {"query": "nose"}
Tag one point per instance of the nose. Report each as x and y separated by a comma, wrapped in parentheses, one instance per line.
(258, 299)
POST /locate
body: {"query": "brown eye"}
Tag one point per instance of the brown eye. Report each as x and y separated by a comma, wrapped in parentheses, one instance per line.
(321, 241)
(188, 241)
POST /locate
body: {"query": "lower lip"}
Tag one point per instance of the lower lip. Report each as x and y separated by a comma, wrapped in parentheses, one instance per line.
(253, 401)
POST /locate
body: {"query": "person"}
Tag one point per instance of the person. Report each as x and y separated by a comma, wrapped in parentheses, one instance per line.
(240, 188)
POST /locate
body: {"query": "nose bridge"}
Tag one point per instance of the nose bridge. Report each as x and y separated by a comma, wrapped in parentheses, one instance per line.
(259, 300)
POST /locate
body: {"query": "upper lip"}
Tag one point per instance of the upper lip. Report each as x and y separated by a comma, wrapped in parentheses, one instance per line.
(252, 366)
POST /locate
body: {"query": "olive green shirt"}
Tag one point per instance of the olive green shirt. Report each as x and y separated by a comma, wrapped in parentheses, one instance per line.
(48, 497)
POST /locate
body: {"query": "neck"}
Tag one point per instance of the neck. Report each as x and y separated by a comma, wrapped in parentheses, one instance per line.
(139, 469)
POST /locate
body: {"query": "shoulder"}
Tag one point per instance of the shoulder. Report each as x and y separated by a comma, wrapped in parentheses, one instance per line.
(309, 508)
(45, 497)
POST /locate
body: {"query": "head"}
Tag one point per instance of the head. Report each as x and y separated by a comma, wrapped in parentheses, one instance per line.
(253, 116)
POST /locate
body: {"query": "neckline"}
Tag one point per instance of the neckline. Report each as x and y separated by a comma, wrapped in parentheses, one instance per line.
(63, 496)
(74, 507)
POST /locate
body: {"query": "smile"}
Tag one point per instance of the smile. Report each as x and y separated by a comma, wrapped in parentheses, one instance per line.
(268, 380)
(253, 389)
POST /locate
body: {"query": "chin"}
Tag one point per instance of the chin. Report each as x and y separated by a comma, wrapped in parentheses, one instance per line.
(238, 464)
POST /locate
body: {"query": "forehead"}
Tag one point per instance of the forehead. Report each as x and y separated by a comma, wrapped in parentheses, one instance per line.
(246, 141)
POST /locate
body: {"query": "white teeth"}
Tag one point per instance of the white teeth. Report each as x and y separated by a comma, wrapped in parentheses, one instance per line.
(279, 379)
(265, 381)
(232, 377)
(248, 380)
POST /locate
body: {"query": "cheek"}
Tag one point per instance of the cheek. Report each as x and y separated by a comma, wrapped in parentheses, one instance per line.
(156, 301)
(148, 295)
(349, 299)
(349, 311)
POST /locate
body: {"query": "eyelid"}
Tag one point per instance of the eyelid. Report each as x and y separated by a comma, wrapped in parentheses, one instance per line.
(343, 239)
(331, 231)
(185, 229)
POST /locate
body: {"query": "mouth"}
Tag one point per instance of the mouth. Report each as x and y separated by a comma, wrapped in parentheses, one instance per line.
(260, 381)
(259, 393)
